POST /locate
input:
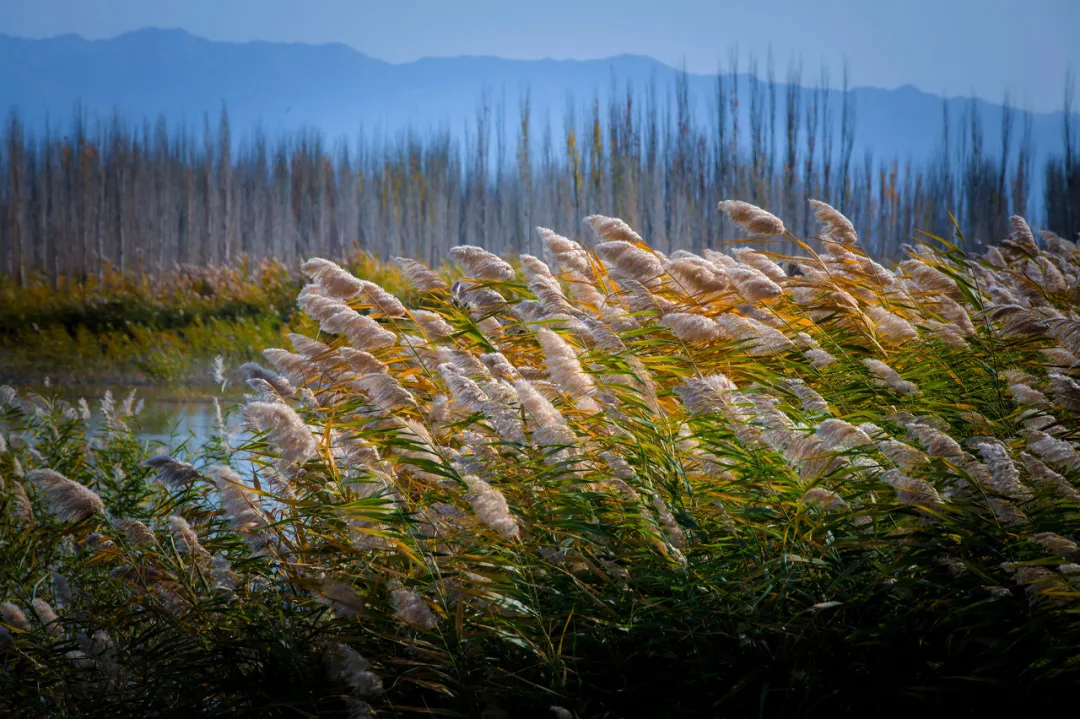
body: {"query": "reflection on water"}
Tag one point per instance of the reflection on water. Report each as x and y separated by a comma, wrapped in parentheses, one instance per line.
(170, 416)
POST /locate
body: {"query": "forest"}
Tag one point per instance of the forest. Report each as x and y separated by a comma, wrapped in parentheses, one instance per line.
(92, 195)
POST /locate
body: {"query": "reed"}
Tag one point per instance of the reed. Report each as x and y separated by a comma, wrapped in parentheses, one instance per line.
(606, 482)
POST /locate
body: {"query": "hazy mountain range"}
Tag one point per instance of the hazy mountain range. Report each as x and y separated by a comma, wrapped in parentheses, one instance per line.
(338, 90)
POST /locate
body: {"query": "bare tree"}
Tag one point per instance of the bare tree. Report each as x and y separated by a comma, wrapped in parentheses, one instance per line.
(791, 136)
(847, 140)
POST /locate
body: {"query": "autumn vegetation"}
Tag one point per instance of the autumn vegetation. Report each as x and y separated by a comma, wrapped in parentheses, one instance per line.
(603, 479)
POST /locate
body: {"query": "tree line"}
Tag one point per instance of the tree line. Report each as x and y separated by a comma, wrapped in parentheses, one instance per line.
(140, 198)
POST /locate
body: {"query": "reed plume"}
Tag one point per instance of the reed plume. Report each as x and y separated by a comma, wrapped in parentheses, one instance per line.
(68, 501)
(421, 277)
(481, 264)
(837, 227)
(753, 219)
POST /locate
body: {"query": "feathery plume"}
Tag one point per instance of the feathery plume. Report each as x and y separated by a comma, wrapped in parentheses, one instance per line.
(1043, 476)
(490, 507)
(888, 377)
(1037, 581)
(62, 590)
(481, 264)
(317, 305)
(839, 435)
(811, 401)
(1055, 544)
(341, 597)
(548, 425)
(352, 668)
(68, 501)
(826, 499)
(1004, 476)
(296, 366)
(638, 299)
(1058, 357)
(819, 358)
(172, 472)
(108, 406)
(465, 363)
(235, 500)
(902, 455)
(282, 386)
(1057, 244)
(432, 324)
(612, 229)
(48, 617)
(569, 254)
(1045, 275)
(14, 617)
(1066, 332)
(760, 262)
(500, 367)
(363, 332)
(565, 369)
(1066, 391)
(892, 328)
(929, 279)
(138, 534)
(706, 395)
(186, 538)
(761, 340)
(361, 362)
(331, 278)
(674, 533)
(631, 261)
(546, 288)
(1055, 452)
(838, 227)
(464, 390)
(420, 276)
(911, 491)
(753, 219)
(381, 300)
(21, 508)
(936, 442)
(753, 285)
(219, 370)
(950, 336)
(1020, 241)
(696, 275)
(411, 608)
(384, 391)
(690, 327)
(285, 429)
(222, 577)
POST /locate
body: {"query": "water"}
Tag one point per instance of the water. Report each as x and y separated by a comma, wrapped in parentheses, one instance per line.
(169, 415)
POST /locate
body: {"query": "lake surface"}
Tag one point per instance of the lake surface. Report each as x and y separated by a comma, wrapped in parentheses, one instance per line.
(169, 415)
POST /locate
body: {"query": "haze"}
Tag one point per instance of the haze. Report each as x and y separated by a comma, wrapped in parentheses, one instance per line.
(963, 47)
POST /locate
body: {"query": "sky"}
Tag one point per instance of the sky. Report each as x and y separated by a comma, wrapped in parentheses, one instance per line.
(951, 47)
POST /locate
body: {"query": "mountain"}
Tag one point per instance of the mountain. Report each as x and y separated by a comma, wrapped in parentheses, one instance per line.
(338, 90)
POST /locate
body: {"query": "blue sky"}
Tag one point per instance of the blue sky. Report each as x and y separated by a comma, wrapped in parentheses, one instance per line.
(956, 47)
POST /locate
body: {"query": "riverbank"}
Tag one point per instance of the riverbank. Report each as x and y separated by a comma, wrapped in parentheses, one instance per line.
(166, 331)
(135, 356)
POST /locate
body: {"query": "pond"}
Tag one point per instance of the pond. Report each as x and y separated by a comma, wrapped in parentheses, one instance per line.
(168, 415)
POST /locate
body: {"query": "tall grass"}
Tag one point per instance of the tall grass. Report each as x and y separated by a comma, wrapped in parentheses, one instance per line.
(608, 482)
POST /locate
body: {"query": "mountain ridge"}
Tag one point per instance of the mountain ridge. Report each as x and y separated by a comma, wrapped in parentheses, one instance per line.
(338, 90)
